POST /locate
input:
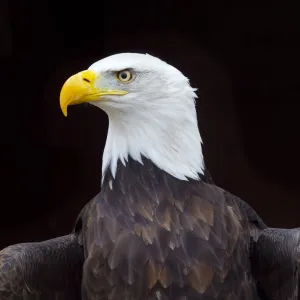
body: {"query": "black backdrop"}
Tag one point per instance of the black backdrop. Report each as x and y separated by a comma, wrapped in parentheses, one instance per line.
(243, 56)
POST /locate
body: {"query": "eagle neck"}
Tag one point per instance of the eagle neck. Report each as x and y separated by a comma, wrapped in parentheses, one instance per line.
(171, 141)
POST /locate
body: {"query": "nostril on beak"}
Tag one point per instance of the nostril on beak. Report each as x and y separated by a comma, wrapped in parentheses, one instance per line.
(87, 80)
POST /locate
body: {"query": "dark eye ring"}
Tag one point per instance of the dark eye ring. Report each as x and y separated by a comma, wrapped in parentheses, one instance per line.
(124, 76)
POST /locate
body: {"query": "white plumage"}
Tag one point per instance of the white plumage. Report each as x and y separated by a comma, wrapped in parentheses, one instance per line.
(156, 119)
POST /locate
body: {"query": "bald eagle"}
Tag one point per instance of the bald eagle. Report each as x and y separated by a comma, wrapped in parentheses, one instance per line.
(159, 228)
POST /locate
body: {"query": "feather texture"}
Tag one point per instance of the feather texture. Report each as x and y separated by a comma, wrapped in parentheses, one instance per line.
(152, 233)
(50, 270)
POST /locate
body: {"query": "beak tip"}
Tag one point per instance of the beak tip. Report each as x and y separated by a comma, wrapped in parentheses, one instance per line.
(64, 111)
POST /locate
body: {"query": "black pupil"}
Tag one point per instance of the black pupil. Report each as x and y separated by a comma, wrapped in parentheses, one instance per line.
(124, 75)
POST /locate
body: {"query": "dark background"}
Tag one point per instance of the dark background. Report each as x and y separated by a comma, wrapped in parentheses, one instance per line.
(242, 55)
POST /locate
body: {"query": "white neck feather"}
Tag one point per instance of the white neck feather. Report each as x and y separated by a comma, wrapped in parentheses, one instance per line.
(167, 134)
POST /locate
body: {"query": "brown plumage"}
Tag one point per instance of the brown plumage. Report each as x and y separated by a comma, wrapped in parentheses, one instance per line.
(149, 232)
(48, 270)
(167, 249)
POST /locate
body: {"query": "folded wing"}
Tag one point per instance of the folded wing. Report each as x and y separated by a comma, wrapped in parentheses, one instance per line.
(276, 263)
(47, 270)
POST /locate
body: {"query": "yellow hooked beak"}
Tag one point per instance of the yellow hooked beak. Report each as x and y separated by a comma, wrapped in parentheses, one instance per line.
(80, 88)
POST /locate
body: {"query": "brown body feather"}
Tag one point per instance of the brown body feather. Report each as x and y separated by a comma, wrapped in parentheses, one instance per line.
(148, 233)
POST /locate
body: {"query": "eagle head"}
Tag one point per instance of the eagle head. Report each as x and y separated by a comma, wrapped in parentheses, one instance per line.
(151, 110)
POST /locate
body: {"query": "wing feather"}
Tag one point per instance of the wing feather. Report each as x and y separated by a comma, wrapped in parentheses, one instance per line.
(276, 262)
(46, 270)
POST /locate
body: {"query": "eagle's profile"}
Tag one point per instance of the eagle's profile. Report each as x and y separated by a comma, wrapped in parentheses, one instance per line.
(159, 228)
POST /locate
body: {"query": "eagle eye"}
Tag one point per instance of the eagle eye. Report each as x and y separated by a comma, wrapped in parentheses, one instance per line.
(124, 76)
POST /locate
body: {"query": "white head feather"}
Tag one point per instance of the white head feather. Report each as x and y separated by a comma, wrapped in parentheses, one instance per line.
(156, 119)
